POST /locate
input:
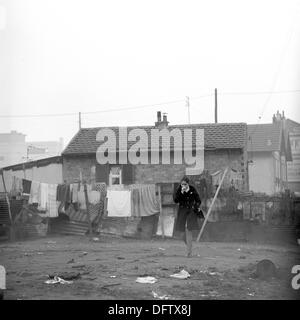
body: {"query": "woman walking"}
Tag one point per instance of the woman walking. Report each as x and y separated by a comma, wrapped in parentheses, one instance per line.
(188, 213)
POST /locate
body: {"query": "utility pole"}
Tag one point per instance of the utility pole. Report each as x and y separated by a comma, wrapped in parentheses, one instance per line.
(188, 106)
(79, 120)
(216, 105)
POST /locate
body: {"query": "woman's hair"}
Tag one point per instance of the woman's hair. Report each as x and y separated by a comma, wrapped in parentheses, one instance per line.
(185, 179)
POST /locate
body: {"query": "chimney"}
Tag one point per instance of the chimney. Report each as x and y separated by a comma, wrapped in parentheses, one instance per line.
(159, 123)
(165, 117)
(278, 116)
(158, 116)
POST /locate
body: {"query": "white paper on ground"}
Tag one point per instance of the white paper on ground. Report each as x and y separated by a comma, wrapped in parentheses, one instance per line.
(181, 275)
(146, 280)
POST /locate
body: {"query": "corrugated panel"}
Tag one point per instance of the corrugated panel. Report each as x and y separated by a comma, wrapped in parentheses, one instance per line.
(69, 227)
(15, 207)
(4, 214)
(81, 215)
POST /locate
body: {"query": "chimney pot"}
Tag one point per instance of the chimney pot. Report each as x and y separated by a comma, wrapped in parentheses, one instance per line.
(158, 116)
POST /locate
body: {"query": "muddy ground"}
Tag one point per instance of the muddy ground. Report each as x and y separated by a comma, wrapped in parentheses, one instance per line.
(108, 269)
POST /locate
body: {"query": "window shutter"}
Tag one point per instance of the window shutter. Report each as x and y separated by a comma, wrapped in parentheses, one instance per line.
(102, 173)
(128, 174)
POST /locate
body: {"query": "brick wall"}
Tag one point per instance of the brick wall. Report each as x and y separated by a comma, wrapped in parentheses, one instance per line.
(213, 161)
(161, 173)
(73, 165)
(220, 159)
(158, 173)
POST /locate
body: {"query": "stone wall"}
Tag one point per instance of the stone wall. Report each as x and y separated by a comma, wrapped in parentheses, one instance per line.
(72, 166)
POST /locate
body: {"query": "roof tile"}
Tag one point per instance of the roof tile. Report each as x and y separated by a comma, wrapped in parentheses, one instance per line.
(216, 136)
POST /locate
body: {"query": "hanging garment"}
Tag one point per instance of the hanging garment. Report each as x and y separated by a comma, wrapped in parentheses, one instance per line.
(52, 203)
(101, 186)
(119, 203)
(81, 198)
(135, 201)
(71, 192)
(74, 192)
(59, 192)
(144, 200)
(43, 196)
(63, 193)
(17, 185)
(26, 185)
(34, 192)
(94, 197)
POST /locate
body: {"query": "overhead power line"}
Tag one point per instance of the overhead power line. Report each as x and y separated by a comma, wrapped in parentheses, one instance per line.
(257, 92)
(91, 112)
(120, 108)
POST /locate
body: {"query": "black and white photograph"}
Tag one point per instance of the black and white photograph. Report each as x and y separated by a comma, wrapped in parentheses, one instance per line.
(149, 151)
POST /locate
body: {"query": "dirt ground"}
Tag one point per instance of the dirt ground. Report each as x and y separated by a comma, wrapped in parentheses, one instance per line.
(109, 268)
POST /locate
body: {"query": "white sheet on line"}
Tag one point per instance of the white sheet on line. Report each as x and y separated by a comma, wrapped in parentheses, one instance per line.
(118, 203)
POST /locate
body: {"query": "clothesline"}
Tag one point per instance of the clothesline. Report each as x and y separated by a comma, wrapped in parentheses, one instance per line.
(52, 197)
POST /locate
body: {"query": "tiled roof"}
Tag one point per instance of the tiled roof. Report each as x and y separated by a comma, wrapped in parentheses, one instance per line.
(292, 126)
(264, 137)
(216, 136)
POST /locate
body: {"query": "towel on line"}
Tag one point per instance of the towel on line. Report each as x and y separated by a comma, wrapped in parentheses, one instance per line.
(119, 203)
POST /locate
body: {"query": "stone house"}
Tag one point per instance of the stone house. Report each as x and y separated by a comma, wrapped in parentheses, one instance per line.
(223, 145)
(269, 151)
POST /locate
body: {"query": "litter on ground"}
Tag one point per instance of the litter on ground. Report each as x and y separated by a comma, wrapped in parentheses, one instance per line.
(157, 296)
(181, 275)
(58, 280)
(146, 280)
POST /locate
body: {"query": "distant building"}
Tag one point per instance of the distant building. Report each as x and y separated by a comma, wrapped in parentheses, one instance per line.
(47, 170)
(43, 149)
(269, 152)
(293, 167)
(14, 149)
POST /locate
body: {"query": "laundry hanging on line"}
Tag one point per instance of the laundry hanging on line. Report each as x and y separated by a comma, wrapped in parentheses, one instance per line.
(144, 200)
(118, 203)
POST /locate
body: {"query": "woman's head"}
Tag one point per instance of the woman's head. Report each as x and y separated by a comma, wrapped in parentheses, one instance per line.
(185, 181)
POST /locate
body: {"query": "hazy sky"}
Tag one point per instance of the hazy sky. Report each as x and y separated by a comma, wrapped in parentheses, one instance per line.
(66, 56)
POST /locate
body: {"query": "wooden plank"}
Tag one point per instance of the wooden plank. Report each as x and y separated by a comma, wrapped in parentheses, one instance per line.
(161, 213)
(87, 209)
(11, 229)
(211, 206)
(103, 211)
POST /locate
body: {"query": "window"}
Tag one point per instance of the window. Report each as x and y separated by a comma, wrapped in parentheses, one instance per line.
(115, 176)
